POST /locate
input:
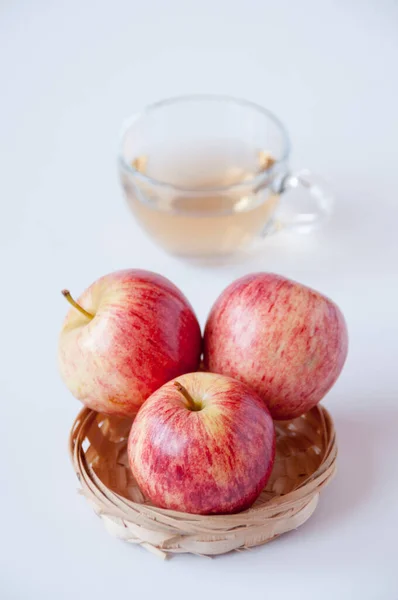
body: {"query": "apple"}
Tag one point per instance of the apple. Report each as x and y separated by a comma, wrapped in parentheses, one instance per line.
(203, 444)
(129, 333)
(285, 340)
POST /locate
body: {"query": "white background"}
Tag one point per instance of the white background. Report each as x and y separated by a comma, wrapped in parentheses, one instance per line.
(70, 73)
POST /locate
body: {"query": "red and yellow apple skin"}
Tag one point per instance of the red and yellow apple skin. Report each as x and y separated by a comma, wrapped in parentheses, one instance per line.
(143, 333)
(285, 340)
(213, 459)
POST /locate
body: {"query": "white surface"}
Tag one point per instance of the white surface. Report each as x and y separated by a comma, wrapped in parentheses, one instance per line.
(70, 73)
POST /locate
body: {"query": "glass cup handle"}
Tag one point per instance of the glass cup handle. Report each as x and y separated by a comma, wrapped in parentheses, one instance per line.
(305, 202)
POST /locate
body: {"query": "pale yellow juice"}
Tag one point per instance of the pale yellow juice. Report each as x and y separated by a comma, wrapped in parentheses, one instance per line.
(205, 222)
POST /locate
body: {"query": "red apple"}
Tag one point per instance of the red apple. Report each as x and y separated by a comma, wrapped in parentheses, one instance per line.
(285, 340)
(203, 444)
(129, 333)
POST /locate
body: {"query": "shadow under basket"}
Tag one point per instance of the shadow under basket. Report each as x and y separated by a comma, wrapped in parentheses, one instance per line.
(305, 462)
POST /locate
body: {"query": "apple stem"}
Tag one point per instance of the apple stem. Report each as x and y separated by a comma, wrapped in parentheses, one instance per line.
(73, 302)
(191, 402)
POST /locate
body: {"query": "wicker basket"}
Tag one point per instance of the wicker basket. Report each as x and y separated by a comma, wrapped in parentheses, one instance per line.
(305, 462)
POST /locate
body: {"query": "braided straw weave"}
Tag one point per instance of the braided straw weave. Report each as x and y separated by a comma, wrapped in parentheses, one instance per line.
(305, 462)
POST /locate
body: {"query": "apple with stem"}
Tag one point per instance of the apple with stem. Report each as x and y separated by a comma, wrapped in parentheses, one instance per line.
(129, 333)
(202, 443)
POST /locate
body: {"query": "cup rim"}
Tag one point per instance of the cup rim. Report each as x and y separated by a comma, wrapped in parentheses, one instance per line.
(254, 181)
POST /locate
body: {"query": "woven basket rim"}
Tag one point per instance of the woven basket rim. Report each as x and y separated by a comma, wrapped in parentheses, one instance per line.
(316, 480)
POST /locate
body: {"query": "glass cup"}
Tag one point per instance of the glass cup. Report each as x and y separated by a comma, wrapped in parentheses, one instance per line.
(208, 176)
